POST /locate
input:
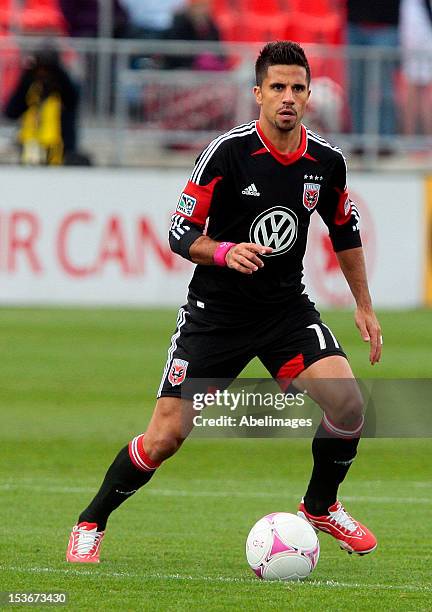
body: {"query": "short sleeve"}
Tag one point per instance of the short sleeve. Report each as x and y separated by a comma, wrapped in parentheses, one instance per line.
(193, 207)
(338, 211)
(197, 196)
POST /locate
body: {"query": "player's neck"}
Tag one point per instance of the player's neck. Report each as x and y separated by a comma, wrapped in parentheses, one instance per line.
(284, 142)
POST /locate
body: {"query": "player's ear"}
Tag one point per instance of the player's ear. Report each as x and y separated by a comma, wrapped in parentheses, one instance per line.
(257, 94)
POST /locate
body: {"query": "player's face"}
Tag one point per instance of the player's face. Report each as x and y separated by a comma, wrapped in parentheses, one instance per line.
(283, 96)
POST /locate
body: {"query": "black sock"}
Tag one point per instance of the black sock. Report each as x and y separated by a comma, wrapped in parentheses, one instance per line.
(332, 460)
(122, 480)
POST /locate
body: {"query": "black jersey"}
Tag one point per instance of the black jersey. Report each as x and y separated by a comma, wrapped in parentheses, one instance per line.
(243, 190)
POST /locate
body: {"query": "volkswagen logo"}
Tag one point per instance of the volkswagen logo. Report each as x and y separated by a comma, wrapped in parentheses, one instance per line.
(275, 228)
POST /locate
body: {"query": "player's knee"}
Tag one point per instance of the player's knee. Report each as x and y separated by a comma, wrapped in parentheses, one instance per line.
(348, 411)
(163, 446)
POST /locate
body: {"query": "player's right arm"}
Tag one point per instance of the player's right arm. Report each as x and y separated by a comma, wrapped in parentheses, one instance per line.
(186, 235)
(243, 257)
(193, 245)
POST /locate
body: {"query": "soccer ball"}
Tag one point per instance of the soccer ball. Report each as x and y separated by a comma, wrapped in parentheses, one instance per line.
(282, 546)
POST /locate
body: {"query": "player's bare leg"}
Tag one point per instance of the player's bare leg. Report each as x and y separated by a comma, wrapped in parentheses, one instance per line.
(133, 467)
(330, 382)
(169, 426)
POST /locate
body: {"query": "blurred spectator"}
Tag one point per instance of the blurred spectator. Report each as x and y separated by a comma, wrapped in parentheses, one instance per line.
(82, 17)
(45, 100)
(150, 19)
(325, 109)
(372, 24)
(416, 44)
(200, 105)
(195, 22)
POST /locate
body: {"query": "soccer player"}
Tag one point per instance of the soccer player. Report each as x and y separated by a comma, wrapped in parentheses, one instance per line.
(256, 187)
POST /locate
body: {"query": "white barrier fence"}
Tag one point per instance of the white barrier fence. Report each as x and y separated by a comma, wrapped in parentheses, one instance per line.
(99, 237)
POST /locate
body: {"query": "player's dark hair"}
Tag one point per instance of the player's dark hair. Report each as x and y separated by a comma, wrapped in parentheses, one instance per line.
(280, 52)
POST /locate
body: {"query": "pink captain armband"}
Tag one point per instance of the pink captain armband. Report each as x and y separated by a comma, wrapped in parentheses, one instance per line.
(221, 251)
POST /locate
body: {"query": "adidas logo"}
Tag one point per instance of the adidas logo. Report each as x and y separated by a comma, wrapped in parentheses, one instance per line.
(251, 190)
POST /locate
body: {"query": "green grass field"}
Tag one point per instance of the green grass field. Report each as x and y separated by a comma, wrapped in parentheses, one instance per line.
(76, 385)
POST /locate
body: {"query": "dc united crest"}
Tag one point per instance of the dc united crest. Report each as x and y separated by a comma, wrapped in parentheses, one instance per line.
(311, 195)
(177, 372)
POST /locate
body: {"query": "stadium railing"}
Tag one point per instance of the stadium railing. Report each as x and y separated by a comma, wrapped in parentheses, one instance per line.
(136, 108)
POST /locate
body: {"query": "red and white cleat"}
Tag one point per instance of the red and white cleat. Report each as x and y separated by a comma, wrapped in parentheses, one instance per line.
(84, 544)
(351, 535)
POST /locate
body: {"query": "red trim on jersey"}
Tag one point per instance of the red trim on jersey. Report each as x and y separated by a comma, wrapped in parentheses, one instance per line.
(284, 158)
(342, 216)
(307, 156)
(261, 151)
(290, 370)
(203, 195)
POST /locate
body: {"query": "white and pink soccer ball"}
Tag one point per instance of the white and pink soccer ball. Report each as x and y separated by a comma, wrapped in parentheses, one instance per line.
(282, 546)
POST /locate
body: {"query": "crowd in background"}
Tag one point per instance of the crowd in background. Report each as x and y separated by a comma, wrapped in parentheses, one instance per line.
(405, 98)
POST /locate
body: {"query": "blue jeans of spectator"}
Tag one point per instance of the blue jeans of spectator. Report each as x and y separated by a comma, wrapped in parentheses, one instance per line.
(371, 36)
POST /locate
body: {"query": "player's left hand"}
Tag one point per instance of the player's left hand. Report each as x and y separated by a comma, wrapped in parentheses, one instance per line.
(370, 331)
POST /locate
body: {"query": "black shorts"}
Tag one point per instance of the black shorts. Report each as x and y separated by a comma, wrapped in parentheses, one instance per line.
(204, 348)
